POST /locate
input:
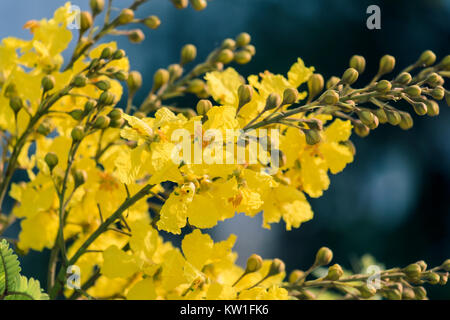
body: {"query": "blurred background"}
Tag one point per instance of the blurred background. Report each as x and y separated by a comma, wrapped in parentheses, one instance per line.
(392, 202)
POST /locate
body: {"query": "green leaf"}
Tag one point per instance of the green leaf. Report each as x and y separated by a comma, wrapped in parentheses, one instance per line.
(26, 289)
(9, 268)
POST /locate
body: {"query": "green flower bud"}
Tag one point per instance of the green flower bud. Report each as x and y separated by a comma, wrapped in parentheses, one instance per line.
(120, 75)
(250, 48)
(404, 78)
(393, 117)
(228, 44)
(447, 97)
(431, 277)
(383, 86)
(420, 108)
(180, 4)
(323, 257)
(381, 115)
(350, 76)
(79, 177)
(89, 105)
(387, 64)
(276, 267)
(296, 275)
(225, 56)
(290, 96)
(175, 71)
(254, 263)
(312, 136)
(420, 293)
(152, 22)
(446, 265)
(97, 6)
(119, 54)
(413, 91)
(435, 80)
(86, 21)
(315, 85)
(188, 53)
(43, 129)
(136, 36)
(102, 122)
(160, 78)
(367, 291)
(366, 117)
(77, 133)
(330, 97)
(245, 94)
(198, 4)
(115, 114)
(125, 16)
(358, 63)
(427, 58)
(118, 123)
(106, 53)
(422, 264)
(243, 39)
(361, 129)
(332, 82)
(438, 93)
(393, 294)
(47, 83)
(106, 98)
(412, 271)
(443, 279)
(406, 121)
(134, 82)
(273, 101)
(408, 294)
(334, 272)
(445, 63)
(242, 57)
(103, 85)
(16, 104)
(349, 144)
(196, 86)
(203, 106)
(52, 160)
(79, 81)
(76, 114)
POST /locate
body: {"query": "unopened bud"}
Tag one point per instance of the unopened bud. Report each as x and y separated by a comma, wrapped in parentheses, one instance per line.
(106, 53)
(51, 159)
(350, 76)
(408, 294)
(188, 53)
(404, 78)
(273, 101)
(445, 63)
(136, 36)
(358, 63)
(102, 122)
(43, 129)
(332, 82)
(115, 114)
(243, 39)
(435, 80)
(103, 85)
(312, 136)
(446, 265)
(198, 4)
(160, 78)
(79, 177)
(334, 272)
(290, 96)
(225, 56)
(443, 279)
(422, 264)
(16, 104)
(76, 114)
(381, 115)
(315, 85)
(86, 21)
(383, 86)
(120, 75)
(118, 123)
(180, 4)
(367, 291)
(361, 129)
(97, 6)
(175, 71)
(420, 293)
(245, 93)
(134, 81)
(323, 257)
(119, 54)
(387, 64)
(251, 49)
(393, 117)
(79, 81)
(276, 267)
(420, 108)
(413, 91)
(296, 275)
(242, 57)
(106, 98)
(427, 58)
(203, 106)
(254, 263)
(406, 121)
(412, 271)
(77, 133)
(48, 82)
(89, 105)
(438, 93)
(447, 97)
(152, 22)
(366, 117)
(431, 277)
(125, 16)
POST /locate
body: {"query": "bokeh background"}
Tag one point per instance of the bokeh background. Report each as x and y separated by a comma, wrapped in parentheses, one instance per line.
(393, 201)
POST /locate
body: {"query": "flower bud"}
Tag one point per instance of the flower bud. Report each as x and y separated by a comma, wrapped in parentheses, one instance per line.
(103, 85)
(228, 44)
(120, 75)
(106, 53)
(434, 79)
(393, 117)
(118, 123)
(175, 71)
(134, 82)
(412, 271)
(85, 21)
(447, 97)
(334, 272)
(296, 275)
(136, 36)
(420, 108)
(203, 106)
(47, 83)
(315, 85)
(323, 257)
(392, 294)
(427, 58)
(413, 91)
(406, 121)
(420, 293)
(106, 98)
(366, 117)
(245, 93)
(198, 4)
(290, 96)
(125, 16)
(160, 78)
(251, 49)
(89, 105)
(152, 22)
(443, 279)
(330, 97)
(404, 78)
(52, 160)
(422, 264)
(79, 81)
(119, 54)
(358, 63)
(79, 177)
(97, 6)
(350, 76)
(77, 133)
(312, 136)
(381, 115)
(431, 277)
(446, 265)
(361, 129)
(102, 122)
(243, 39)
(115, 114)
(242, 57)
(76, 114)
(383, 86)
(16, 104)
(408, 294)
(43, 129)
(438, 93)
(332, 82)
(367, 291)
(180, 4)
(225, 56)
(445, 63)
(387, 64)
(254, 263)
(188, 53)
(273, 101)
(276, 267)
